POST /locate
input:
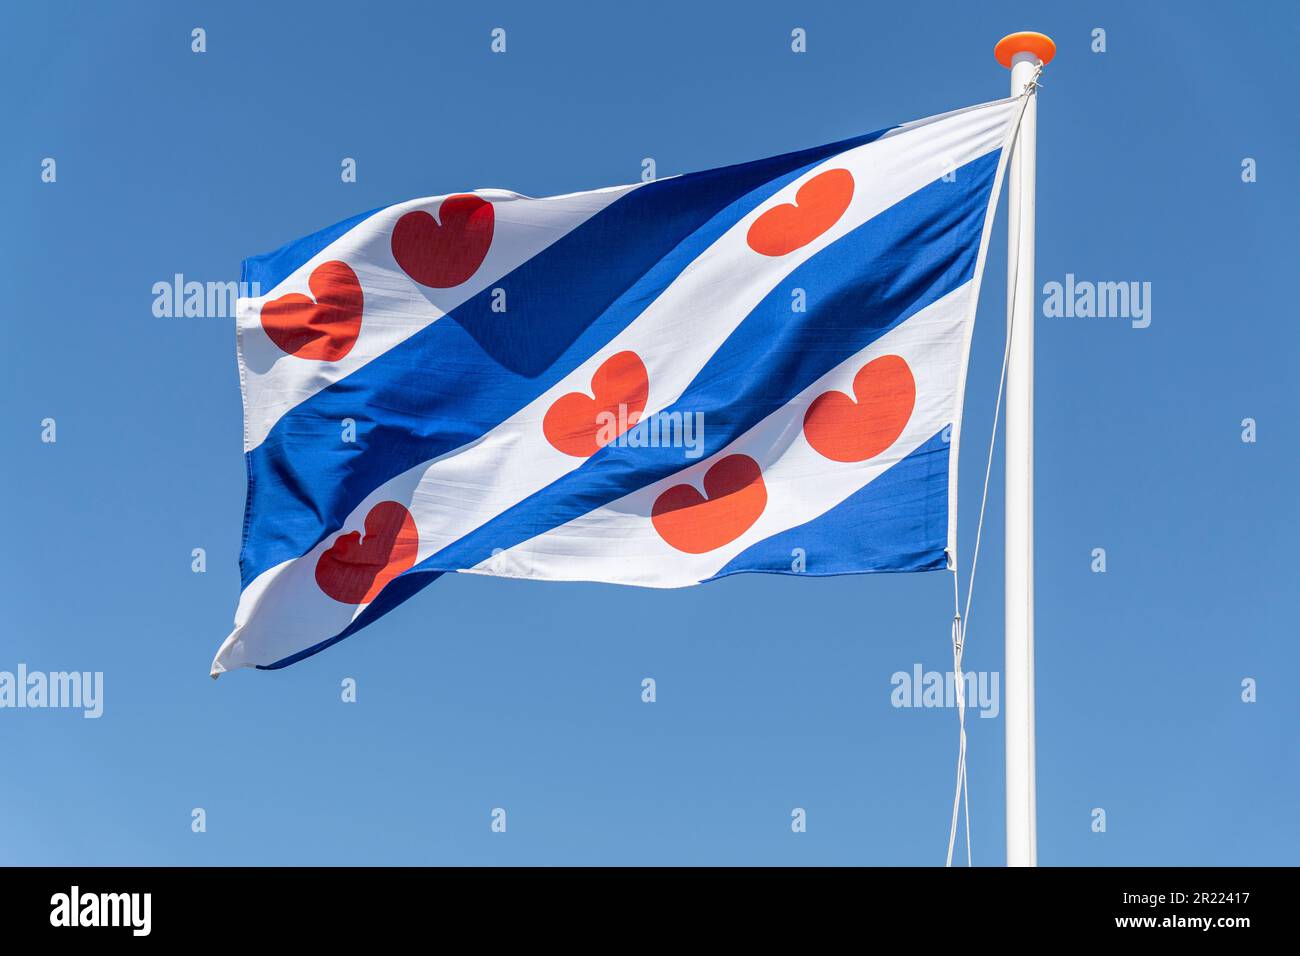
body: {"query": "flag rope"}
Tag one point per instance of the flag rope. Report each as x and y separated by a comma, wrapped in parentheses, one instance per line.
(961, 617)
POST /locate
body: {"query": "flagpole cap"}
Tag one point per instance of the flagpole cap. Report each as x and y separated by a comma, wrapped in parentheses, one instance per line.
(1039, 44)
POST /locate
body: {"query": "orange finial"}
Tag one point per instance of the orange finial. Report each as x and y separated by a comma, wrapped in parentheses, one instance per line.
(1038, 44)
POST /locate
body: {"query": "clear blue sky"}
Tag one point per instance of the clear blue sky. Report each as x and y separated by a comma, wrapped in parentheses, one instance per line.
(773, 693)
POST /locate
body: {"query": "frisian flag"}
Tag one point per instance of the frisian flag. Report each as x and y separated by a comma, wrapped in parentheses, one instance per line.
(657, 384)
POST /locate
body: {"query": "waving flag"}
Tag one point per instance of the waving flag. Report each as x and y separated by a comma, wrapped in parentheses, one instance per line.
(754, 368)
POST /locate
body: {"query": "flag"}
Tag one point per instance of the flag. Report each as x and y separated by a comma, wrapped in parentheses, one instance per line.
(752, 368)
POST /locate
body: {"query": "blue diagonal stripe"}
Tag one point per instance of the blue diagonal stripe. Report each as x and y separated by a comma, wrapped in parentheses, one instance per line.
(272, 268)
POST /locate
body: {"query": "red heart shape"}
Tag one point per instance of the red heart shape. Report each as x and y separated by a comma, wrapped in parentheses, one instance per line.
(578, 424)
(841, 429)
(355, 569)
(323, 329)
(817, 206)
(443, 254)
(690, 522)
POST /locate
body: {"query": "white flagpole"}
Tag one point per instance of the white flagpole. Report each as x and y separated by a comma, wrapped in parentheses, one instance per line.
(1023, 53)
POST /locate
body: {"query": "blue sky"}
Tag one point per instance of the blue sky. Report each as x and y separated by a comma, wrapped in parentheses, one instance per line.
(773, 693)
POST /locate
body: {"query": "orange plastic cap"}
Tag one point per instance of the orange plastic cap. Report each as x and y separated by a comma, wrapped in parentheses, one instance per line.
(1040, 45)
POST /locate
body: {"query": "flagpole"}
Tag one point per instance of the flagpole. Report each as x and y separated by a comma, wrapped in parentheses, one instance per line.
(1022, 53)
